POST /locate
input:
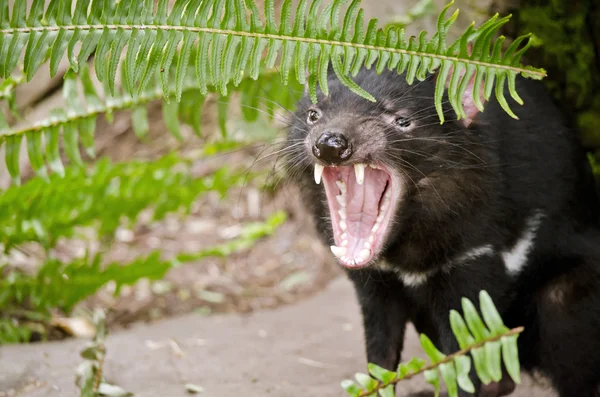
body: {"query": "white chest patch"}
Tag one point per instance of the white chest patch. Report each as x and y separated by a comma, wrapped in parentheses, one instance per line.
(409, 279)
(474, 253)
(516, 258)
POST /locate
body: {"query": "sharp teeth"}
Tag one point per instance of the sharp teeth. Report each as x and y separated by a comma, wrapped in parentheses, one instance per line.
(367, 245)
(343, 225)
(340, 200)
(341, 186)
(318, 173)
(359, 170)
(364, 254)
(338, 251)
(370, 240)
(342, 214)
(373, 166)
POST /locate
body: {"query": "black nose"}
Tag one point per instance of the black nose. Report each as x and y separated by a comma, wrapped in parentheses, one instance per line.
(332, 147)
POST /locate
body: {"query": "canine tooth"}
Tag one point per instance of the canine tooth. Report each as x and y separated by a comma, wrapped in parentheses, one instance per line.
(338, 251)
(318, 173)
(364, 254)
(340, 200)
(359, 171)
(342, 214)
(343, 225)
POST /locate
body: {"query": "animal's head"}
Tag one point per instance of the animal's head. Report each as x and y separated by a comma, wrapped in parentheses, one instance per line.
(376, 160)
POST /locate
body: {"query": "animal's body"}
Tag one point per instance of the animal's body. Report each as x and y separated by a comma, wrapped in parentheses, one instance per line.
(422, 214)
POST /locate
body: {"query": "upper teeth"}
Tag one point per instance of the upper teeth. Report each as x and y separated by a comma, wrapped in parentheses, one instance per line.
(318, 173)
(359, 170)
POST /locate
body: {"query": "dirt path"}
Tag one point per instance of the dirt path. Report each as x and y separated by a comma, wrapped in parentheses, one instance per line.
(300, 350)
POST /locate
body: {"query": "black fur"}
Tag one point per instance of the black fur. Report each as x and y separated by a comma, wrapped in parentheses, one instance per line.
(483, 183)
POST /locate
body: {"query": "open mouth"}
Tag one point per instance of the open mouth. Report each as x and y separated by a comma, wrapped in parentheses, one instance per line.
(361, 201)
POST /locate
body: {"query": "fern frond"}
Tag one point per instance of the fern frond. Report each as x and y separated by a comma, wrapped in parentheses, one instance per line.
(228, 44)
(489, 342)
(76, 123)
(96, 197)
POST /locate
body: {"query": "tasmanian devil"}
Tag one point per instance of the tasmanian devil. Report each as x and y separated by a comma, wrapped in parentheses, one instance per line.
(422, 214)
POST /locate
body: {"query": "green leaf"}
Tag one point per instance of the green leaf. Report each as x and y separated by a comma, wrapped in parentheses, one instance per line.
(449, 375)
(182, 63)
(479, 359)
(474, 321)
(510, 356)
(121, 38)
(381, 373)
(87, 127)
(171, 119)
(58, 49)
(351, 387)
(222, 112)
(13, 150)
(434, 354)
(493, 360)
(432, 377)
(52, 137)
(387, 391)
(71, 143)
(88, 46)
(167, 58)
(414, 365)
(490, 314)
(460, 330)
(366, 381)
(463, 367)
(140, 122)
(34, 150)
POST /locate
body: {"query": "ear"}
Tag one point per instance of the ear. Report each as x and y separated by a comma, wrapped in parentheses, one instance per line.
(468, 96)
(468, 101)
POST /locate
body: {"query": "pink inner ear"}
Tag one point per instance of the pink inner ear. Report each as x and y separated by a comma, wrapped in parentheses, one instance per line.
(469, 104)
(467, 99)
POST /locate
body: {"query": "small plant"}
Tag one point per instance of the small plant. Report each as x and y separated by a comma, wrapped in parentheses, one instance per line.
(489, 342)
(89, 378)
(99, 199)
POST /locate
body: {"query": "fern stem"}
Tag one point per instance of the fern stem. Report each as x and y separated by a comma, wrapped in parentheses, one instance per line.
(227, 32)
(447, 359)
(121, 105)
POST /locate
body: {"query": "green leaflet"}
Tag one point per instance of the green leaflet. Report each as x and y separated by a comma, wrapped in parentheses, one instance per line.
(13, 149)
(34, 150)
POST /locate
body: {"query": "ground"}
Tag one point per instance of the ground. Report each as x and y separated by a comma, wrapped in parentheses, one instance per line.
(297, 350)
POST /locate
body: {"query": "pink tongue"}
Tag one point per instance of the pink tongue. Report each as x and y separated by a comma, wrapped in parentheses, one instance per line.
(362, 208)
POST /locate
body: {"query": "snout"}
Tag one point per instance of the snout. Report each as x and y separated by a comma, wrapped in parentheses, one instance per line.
(332, 147)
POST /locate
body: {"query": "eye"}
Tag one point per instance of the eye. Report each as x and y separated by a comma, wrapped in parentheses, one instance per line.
(402, 122)
(313, 116)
